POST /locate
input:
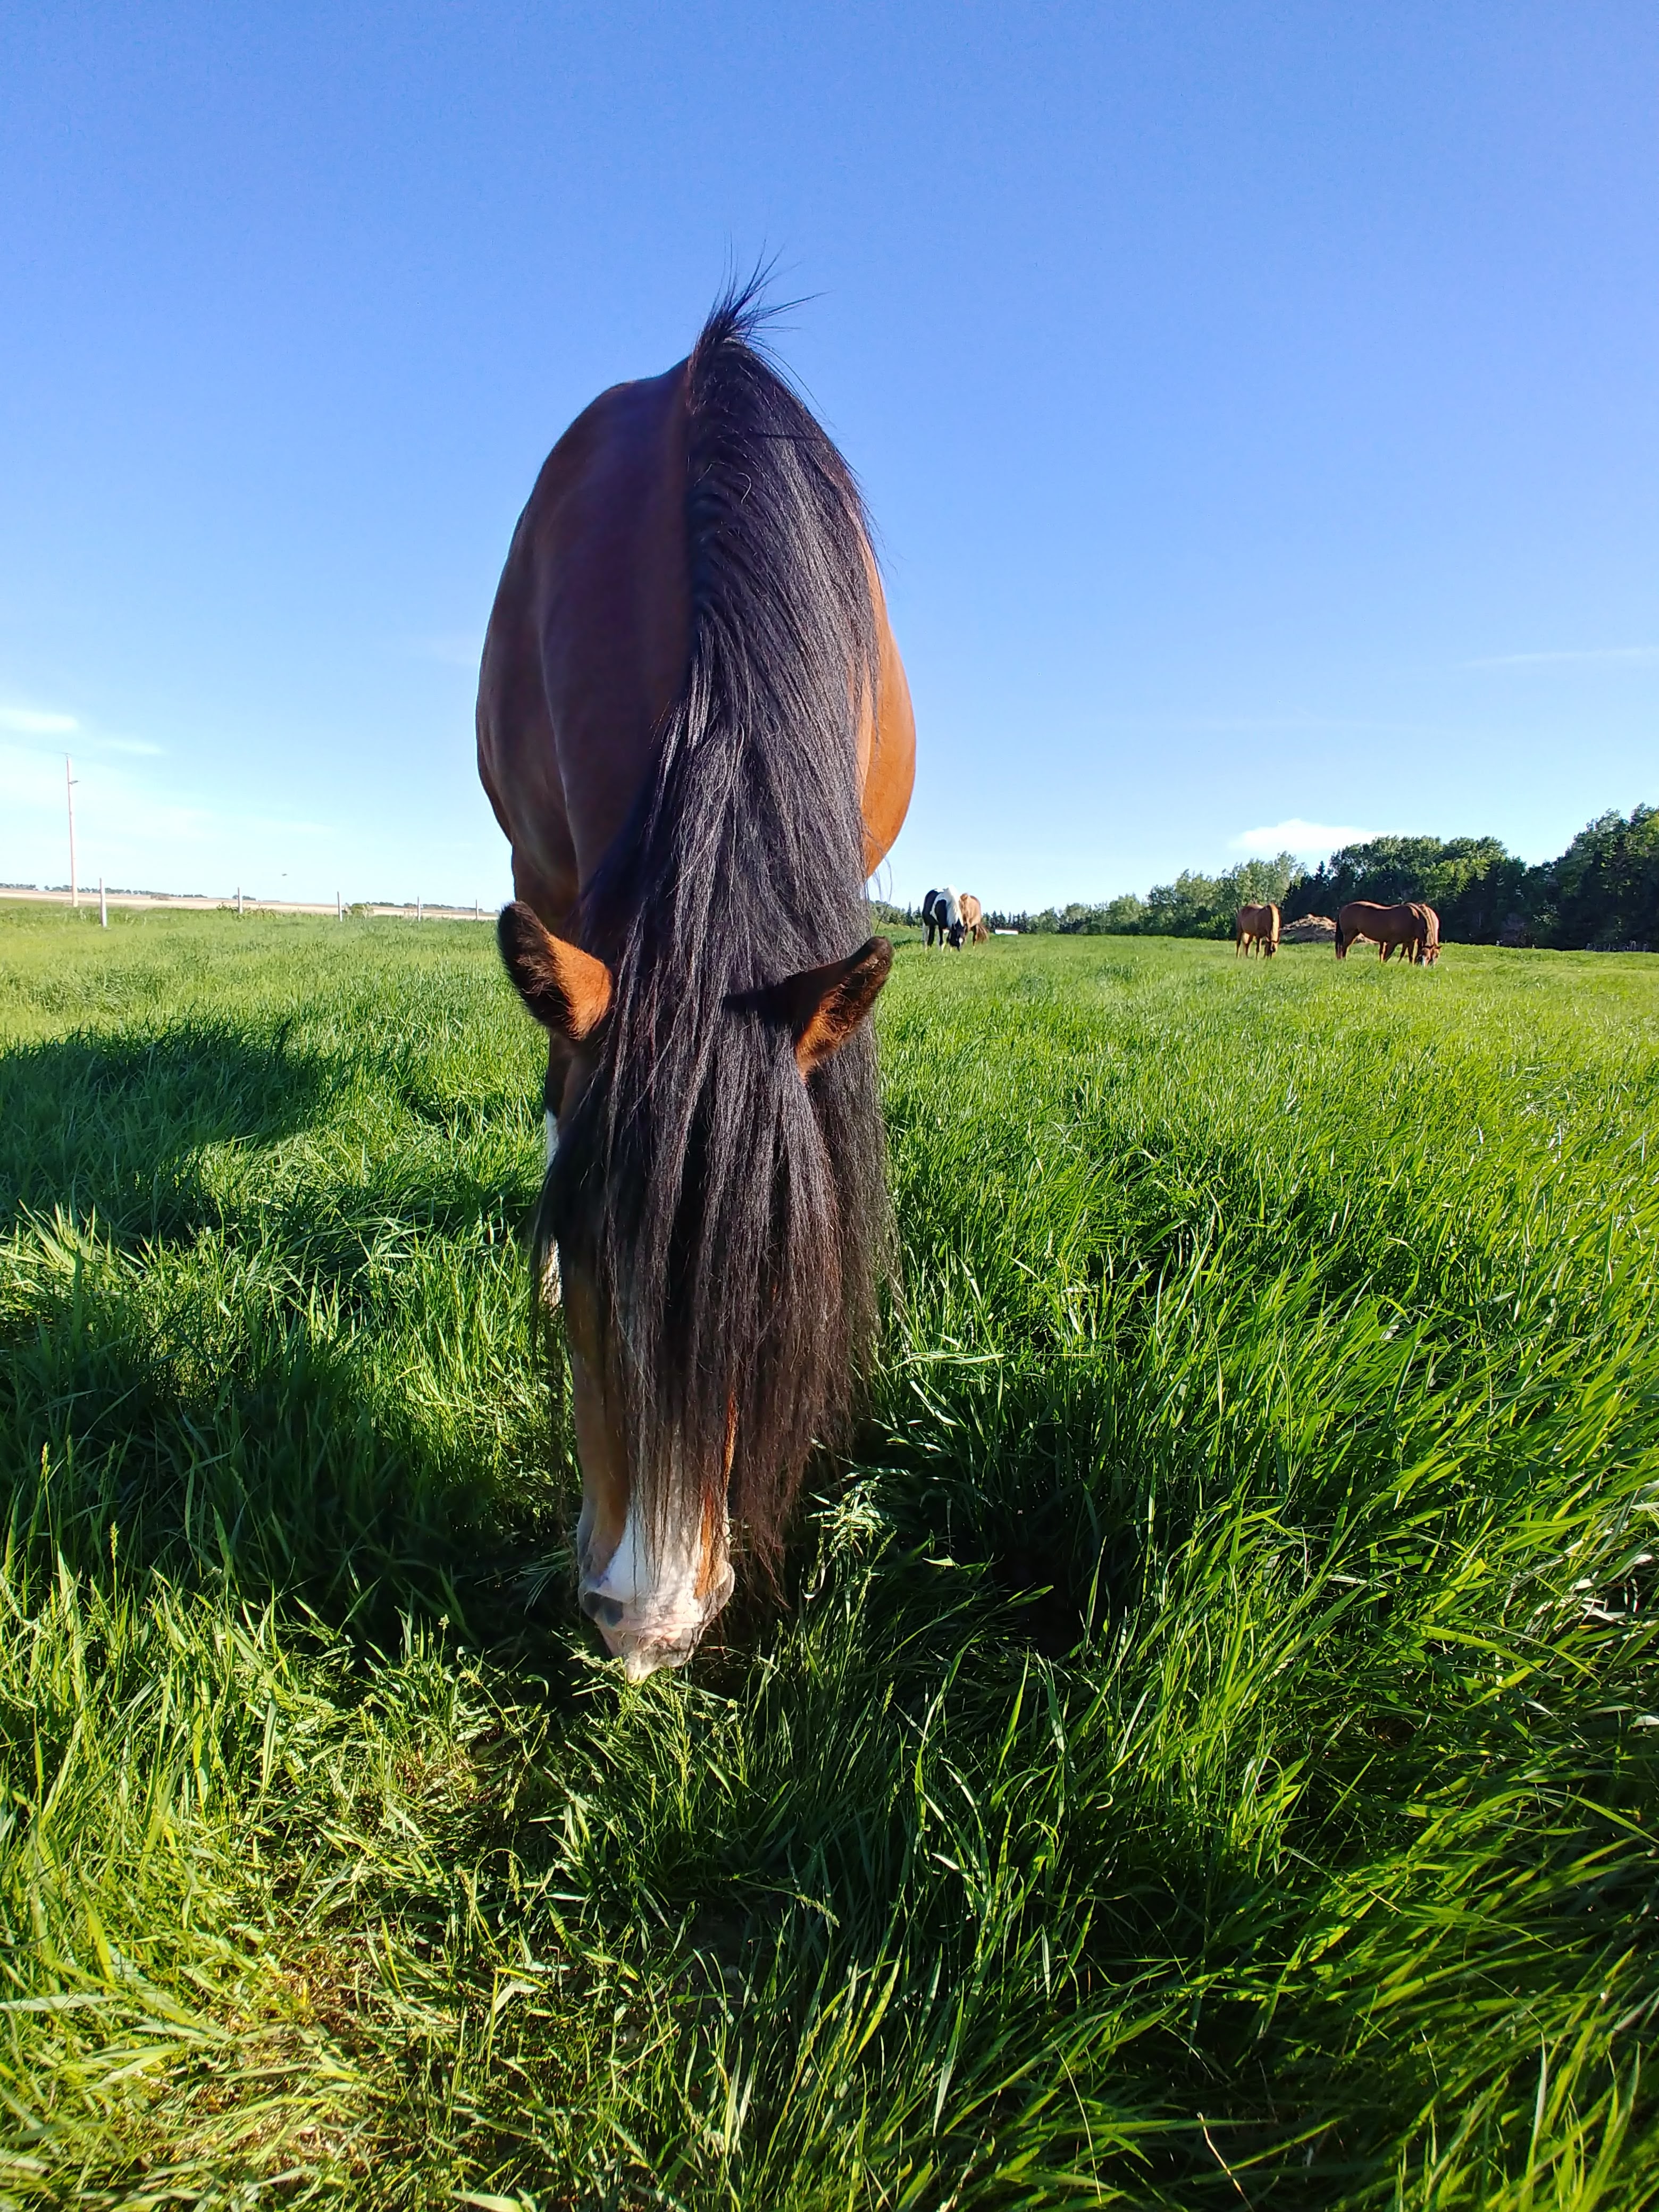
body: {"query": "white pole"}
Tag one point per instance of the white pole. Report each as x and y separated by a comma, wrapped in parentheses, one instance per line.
(69, 793)
(417, 906)
(238, 901)
(339, 907)
(103, 906)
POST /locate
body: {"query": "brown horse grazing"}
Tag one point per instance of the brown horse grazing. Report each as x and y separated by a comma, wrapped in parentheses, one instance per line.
(1405, 928)
(1256, 930)
(694, 727)
(1423, 950)
(973, 918)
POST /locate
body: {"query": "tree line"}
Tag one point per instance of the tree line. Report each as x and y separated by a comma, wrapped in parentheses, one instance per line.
(1601, 895)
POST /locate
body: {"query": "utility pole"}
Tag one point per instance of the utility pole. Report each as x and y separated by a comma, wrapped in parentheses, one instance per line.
(69, 793)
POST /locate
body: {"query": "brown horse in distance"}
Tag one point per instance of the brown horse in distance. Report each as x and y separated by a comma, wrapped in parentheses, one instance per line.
(1256, 930)
(973, 918)
(695, 729)
(1405, 928)
(1423, 950)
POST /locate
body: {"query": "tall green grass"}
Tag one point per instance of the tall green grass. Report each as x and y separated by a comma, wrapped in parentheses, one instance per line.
(1206, 1752)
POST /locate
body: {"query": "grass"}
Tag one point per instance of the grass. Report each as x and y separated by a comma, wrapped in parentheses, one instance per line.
(1207, 1751)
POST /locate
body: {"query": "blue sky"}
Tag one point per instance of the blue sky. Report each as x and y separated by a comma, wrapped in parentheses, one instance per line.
(1259, 405)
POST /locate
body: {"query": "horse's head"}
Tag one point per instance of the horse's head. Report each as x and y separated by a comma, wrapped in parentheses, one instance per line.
(652, 1545)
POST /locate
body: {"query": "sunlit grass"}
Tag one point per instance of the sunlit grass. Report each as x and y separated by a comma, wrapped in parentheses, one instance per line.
(1207, 1751)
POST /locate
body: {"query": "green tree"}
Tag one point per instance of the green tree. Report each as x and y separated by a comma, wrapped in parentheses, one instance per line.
(1604, 889)
(1472, 883)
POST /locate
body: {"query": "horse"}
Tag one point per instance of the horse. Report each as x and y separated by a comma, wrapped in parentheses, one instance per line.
(1404, 927)
(941, 912)
(1256, 930)
(694, 727)
(973, 918)
(1425, 949)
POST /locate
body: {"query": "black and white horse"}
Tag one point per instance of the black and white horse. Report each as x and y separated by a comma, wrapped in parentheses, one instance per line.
(941, 911)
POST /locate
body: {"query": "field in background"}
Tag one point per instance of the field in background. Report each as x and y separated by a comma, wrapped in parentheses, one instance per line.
(1208, 1753)
(200, 902)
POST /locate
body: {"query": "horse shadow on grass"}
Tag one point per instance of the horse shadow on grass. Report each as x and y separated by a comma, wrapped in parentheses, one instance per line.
(119, 1127)
(1028, 1485)
(252, 1445)
(252, 1452)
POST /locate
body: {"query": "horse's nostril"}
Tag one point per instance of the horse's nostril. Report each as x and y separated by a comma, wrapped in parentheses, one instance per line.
(604, 1610)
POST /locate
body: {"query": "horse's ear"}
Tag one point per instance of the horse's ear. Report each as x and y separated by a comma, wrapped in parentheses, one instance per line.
(822, 1006)
(568, 990)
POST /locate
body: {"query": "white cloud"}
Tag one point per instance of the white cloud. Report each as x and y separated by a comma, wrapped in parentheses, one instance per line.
(31, 778)
(1300, 837)
(30, 722)
(1605, 656)
(107, 800)
(47, 722)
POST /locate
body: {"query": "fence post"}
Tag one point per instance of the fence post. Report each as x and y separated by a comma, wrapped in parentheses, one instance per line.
(238, 901)
(417, 907)
(339, 907)
(103, 906)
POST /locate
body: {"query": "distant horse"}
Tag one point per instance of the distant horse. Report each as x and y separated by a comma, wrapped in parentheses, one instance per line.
(1423, 950)
(973, 918)
(1391, 928)
(695, 729)
(1256, 930)
(941, 912)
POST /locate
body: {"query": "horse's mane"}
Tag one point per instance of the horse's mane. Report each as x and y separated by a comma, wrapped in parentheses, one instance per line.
(735, 1216)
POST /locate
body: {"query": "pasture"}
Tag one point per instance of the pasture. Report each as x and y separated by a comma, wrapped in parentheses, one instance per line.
(1205, 1751)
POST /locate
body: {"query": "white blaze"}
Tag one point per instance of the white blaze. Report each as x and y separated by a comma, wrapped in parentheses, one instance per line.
(645, 1603)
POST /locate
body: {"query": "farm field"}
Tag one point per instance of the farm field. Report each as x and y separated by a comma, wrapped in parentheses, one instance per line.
(1206, 1750)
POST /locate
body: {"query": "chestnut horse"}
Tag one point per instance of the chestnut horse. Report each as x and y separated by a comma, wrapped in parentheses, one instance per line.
(973, 918)
(1426, 951)
(1256, 930)
(1405, 928)
(695, 729)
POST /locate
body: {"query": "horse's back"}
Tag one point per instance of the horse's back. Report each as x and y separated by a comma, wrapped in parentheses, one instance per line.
(1382, 925)
(589, 642)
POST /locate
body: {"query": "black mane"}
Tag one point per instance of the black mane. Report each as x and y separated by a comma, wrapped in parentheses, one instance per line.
(735, 1217)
